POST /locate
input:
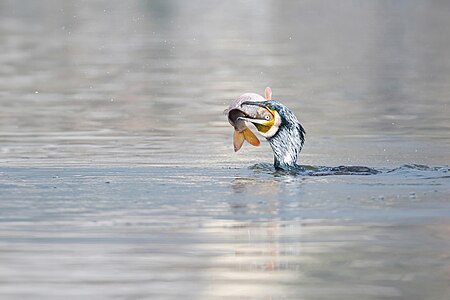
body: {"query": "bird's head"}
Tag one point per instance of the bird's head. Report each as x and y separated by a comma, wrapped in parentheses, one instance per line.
(284, 132)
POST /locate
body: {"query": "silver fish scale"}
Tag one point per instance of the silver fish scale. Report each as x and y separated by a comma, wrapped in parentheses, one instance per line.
(236, 110)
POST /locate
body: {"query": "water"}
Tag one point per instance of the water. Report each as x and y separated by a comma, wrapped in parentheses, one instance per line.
(117, 172)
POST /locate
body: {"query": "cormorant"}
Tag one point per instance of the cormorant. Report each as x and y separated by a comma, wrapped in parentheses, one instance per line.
(285, 134)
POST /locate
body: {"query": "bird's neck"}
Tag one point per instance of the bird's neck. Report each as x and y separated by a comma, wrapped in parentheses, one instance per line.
(286, 145)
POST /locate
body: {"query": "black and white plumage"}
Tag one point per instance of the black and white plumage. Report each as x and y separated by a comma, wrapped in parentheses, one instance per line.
(288, 141)
(285, 134)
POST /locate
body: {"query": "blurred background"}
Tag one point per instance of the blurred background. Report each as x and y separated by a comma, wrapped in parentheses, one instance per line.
(118, 178)
(145, 82)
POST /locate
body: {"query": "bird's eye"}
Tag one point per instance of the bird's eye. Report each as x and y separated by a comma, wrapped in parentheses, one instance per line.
(267, 118)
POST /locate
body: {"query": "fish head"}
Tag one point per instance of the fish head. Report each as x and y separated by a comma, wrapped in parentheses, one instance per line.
(236, 112)
(267, 119)
(234, 116)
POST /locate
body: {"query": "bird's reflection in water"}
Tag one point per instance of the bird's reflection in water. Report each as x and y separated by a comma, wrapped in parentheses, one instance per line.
(256, 263)
(255, 186)
(261, 200)
(256, 197)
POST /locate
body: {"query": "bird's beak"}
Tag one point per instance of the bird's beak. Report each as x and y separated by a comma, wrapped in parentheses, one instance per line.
(254, 120)
(256, 103)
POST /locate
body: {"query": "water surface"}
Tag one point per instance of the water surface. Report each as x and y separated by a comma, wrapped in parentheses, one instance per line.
(118, 178)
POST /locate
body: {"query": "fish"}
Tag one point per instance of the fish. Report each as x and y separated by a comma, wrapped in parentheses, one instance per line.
(237, 110)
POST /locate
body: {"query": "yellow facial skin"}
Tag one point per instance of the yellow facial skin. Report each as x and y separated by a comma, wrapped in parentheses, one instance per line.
(265, 126)
(269, 128)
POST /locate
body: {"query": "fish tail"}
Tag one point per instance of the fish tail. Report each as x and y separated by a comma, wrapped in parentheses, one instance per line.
(247, 135)
(250, 137)
(238, 140)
